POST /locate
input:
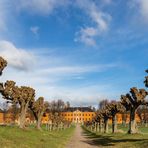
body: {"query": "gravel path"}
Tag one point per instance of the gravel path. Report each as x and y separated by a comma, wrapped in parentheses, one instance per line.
(79, 140)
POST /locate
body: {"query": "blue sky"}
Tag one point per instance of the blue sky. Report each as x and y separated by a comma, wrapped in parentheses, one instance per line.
(80, 51)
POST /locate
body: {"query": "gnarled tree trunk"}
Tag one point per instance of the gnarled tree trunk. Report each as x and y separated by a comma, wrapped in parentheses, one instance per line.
(106, 125)
(96, 127)
(114, 124)
(23, 115)
(39, 122)
(38, 118)
(132, 123)
(100, 126)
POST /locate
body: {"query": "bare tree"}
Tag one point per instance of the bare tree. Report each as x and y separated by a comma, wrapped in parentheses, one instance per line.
(67, 104)
(57, 106)
(99, 120)
(131, 102)
(103, 103)
(106, 115)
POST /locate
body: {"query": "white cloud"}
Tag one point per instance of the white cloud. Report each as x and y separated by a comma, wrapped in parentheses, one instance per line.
(76, 70)
(34, 30)
(141, 7)
(101, 20)
(86, 36)
(46, 78)
(44, 7)
(16, 57)
(144, 8)
(84, 95)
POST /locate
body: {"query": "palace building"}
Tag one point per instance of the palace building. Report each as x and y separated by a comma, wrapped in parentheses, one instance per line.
(78, 114)
(71, 114)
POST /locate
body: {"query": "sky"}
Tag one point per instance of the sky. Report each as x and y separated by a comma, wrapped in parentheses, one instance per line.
(81, 51)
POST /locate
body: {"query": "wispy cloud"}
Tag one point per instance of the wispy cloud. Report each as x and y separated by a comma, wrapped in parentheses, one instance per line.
(41, 7)
(85, 95)
(16, 57)
(144, 8)
(46, 79)
(67, 70)
(140, 7)
(86, 34)
(100, 19)
(35, 30)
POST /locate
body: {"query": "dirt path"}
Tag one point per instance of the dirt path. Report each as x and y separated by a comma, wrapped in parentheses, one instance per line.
(79, 140)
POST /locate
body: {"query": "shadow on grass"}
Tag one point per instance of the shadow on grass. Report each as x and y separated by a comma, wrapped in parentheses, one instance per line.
(109, 140)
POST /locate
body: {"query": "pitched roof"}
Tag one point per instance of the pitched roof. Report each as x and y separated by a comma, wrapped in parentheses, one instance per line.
(82, 109)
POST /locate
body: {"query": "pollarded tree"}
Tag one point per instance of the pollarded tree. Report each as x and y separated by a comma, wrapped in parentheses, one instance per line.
(103, 103)
(106, 115)
(22, 95)
(114, 108)
(3, 64)
(99, 119)
(131, 102)
(38, 108)
(56, 120)
(26, 96)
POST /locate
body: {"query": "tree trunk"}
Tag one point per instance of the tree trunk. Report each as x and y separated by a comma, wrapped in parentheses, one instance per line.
(39, 122)
(100, 126)
(132, 123)
(114, 124)
(96, 126)
(106, 125)
(23, 115)
(124, 119)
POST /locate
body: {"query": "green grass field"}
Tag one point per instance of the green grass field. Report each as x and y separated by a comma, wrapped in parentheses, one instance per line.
(13, 137)
(119, 140)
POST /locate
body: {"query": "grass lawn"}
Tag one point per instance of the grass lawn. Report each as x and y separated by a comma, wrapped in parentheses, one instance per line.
(13, 137)
(119, 140)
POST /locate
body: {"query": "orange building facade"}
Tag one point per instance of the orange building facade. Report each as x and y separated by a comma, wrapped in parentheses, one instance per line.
(1, 117)
(126, 118)
(72, 114)
(78, 114)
